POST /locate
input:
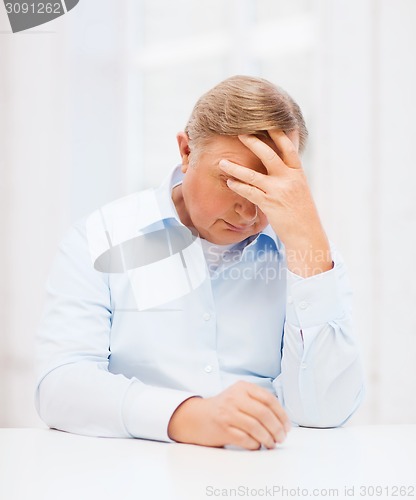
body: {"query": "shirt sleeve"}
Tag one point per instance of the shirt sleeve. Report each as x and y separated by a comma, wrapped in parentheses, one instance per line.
(321, 379)
(75, 390)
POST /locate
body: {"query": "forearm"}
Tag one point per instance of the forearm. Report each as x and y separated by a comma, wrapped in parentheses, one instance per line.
(307, 250)
(85, 398)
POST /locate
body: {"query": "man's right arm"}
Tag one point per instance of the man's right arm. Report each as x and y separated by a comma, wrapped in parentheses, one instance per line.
(76, 392)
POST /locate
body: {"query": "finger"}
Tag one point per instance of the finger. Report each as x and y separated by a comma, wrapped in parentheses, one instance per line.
(251, 193)
(244, 174)
(268, 156)
(242, 439)
(266, 417)
(287, 149)
(272, 402)
(254, 428)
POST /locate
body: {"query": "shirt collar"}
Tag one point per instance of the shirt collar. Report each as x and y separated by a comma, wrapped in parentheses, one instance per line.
(269, 233)
(167, 209)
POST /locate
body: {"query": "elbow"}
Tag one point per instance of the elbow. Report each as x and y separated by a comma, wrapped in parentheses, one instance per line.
(52, 399)
(45, 407)
(327, 420)
(333, 413)
(329, 412)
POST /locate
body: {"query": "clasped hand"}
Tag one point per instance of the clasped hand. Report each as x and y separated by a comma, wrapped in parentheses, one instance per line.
(243, 415)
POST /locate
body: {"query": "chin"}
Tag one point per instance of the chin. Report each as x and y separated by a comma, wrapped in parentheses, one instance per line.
(227, 238)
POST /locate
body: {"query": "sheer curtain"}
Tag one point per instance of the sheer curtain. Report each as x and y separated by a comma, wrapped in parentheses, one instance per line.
(91, 103)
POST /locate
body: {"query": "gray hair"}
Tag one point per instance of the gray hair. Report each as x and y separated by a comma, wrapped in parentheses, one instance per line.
(244, 105)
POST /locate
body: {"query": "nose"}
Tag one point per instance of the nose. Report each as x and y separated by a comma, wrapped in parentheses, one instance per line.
(246, 210)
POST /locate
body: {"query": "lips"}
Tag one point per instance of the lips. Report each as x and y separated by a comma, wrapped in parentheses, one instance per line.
(239, 229)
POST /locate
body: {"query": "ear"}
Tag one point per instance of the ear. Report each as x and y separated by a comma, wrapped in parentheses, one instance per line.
(183, 144)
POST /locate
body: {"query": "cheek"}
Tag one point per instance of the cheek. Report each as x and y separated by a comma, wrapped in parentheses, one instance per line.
(215, 201)
(224, 200)
(216, 206)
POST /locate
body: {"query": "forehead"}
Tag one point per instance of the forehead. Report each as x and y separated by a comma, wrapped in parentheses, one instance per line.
(228, 148)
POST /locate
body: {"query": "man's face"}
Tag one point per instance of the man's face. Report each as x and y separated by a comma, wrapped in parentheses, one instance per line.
(205, 202)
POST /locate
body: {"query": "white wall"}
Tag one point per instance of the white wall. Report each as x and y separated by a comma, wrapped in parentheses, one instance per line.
(90, 105)
(60, 147)
(33, 203)
(364, 181)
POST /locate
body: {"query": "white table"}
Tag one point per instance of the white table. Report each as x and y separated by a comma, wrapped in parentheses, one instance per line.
(51, 465)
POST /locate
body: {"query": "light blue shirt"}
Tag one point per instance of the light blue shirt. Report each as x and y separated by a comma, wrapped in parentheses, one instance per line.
(136, 321)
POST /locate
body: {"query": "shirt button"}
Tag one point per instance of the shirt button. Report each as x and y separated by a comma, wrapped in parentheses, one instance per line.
(303, 366)
(290, 300)
(206, 316)
(208, 369)
(303, 305)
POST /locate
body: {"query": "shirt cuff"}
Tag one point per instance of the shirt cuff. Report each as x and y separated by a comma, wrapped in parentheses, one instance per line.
(147, 410)
(315, 300)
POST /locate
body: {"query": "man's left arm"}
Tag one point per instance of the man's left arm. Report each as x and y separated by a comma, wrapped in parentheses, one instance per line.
(321, 380)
